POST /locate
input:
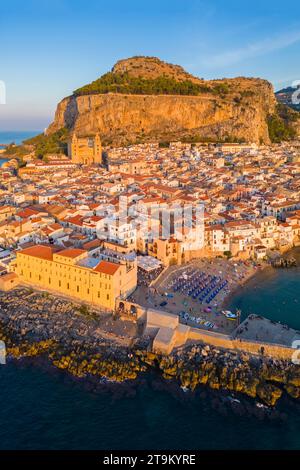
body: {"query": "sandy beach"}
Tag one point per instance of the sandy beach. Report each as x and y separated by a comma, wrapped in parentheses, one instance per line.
(161, 293)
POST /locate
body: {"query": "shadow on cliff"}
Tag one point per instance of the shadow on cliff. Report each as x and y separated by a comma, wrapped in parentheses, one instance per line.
(71, 113)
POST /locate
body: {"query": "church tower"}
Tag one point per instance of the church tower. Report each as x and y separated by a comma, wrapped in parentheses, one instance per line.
(85, 150)
(97, 150)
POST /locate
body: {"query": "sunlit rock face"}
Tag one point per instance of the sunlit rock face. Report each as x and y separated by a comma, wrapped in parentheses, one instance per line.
(227, 109)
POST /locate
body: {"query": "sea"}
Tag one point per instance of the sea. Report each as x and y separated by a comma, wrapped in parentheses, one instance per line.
(16, 137)
(43, 408)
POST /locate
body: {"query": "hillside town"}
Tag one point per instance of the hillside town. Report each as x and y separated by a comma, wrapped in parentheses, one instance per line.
(107, 226)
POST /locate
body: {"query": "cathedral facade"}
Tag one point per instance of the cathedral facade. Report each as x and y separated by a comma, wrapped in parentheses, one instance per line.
(85, 150)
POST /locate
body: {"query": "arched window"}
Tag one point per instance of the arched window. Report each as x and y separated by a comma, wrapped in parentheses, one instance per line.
(133, 309)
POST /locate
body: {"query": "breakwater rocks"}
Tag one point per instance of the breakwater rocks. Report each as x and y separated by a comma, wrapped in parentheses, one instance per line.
(285, 263)
(257, 377)
(32, 325)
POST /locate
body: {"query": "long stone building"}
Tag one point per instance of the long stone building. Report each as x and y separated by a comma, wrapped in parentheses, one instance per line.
(74, 273)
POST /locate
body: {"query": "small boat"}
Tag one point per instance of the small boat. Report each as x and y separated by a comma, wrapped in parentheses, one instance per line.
(261, 405)
(233, 400)
(184, 389)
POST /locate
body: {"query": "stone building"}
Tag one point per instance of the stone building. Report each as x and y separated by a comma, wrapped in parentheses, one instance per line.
(86, 150)
(74, 273)
(8, 281)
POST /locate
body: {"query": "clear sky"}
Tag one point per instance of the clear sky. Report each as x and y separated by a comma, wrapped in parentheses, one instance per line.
(51, 47)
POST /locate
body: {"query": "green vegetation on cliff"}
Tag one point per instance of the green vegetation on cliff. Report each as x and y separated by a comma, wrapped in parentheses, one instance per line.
(15, 151)
(281, 124)
(124, 83)
(41, 144)
(50, 144)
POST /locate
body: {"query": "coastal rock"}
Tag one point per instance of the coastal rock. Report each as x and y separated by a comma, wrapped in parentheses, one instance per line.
(269, 393)
(294, 378)
(23, 329)
(293, 391)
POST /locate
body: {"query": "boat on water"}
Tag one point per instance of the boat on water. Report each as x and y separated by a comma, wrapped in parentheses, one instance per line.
(185, 389)
(261, 405)
(233, 400)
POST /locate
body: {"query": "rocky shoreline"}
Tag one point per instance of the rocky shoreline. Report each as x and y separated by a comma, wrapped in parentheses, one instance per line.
(105, 362)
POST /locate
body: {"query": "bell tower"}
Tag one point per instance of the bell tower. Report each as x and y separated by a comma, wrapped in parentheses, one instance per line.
(85, 150)
(97, 150)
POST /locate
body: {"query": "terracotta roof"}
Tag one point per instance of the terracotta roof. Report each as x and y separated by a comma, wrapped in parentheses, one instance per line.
(27, 213)
(39, 251)
(71, 252)
(55, 209)
(55, 227)
(92, 244)
(75, 220)
(106, 267)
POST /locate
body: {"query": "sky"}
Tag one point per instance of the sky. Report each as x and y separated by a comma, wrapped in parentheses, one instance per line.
(50, 48)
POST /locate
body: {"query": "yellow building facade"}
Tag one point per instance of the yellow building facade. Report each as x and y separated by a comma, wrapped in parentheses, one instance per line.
(173, 251)
(71, 272)
(85, 150)
(168, 251)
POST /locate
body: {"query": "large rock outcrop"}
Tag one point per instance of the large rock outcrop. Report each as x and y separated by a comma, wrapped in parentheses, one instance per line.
(232, 109)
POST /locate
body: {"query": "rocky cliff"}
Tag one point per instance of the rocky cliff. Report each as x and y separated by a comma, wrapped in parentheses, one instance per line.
(230, 109)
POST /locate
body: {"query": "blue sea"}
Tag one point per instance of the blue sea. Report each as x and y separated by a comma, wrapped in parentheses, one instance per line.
(45, 409)
(273, 293)
(8, 137)
(16, 137)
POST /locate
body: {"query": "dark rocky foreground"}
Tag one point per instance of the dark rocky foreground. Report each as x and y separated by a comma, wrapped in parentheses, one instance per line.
(34, 325)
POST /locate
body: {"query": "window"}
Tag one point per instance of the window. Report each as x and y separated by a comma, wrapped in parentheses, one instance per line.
(77, 288)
